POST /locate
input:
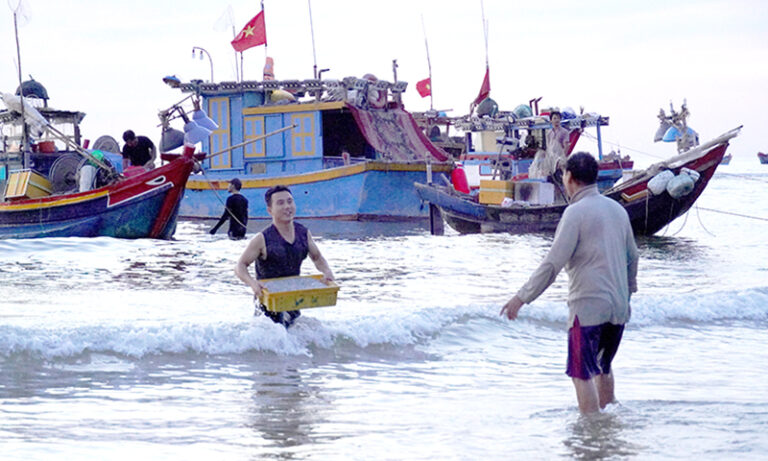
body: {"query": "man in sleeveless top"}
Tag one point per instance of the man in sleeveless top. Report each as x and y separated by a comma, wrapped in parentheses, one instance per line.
(279, 250)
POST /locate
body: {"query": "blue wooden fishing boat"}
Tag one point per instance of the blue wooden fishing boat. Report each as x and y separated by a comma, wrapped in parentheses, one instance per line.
(494, 144)
(44, 188)
(347, 149)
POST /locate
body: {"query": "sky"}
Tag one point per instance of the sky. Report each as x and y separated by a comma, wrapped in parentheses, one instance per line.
(625, 60)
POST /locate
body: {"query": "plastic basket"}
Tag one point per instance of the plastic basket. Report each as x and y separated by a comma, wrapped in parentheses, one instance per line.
(301, 292)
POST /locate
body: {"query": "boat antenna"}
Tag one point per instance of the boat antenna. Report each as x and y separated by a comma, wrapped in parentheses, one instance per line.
(312, 32)
(429, 64)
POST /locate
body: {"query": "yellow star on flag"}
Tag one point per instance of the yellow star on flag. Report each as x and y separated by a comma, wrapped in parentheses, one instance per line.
(248, 31)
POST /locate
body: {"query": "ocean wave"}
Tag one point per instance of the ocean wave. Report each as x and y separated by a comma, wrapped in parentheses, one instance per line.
(254, 334)
(689, 308)
(375, 326)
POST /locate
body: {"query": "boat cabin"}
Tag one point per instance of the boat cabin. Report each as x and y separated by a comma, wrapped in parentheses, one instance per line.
(501, 145)
(264, 129)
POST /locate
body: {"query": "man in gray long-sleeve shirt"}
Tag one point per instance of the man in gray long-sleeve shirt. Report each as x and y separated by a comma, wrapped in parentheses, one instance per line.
(595, 244)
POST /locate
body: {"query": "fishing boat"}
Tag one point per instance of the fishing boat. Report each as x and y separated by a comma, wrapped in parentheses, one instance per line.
(653, 197)
(492, 144)
(52, 185)
(763, 158)
(347, 148)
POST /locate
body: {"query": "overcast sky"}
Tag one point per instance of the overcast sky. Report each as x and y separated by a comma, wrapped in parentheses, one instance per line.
(625, 60)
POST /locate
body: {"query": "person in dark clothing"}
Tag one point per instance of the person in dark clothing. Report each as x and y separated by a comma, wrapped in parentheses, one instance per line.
(138, 151)
(236, 210)
(279, 250)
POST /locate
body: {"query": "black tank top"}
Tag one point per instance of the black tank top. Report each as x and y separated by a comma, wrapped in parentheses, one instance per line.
(283, 259)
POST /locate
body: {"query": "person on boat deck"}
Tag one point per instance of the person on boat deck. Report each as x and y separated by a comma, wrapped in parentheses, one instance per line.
(279, 250)
(138, 151)
(595, 244)
(235, 210)
(558, 142)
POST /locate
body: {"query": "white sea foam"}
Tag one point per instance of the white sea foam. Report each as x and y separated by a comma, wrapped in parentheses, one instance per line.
(236, 332)
(721, 306)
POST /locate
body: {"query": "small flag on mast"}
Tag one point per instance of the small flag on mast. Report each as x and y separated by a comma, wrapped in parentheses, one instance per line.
(253, 34)
(485, 88)
(424, 87)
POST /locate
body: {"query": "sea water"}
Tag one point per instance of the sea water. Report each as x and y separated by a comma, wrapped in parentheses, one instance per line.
(142, 349)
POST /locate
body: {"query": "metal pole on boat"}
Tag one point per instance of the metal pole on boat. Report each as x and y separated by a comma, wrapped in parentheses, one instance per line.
(26, 160)
(203, 50)
(599, 142)
(257, 138)
(312, 32)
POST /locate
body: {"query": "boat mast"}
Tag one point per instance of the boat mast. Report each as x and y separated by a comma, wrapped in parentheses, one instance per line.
(312, 32)
(24, 141)
(429, 64)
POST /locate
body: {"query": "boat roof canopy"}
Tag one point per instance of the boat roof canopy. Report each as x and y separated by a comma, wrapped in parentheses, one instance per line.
(505, 120)
(299, 88)
(52, 115)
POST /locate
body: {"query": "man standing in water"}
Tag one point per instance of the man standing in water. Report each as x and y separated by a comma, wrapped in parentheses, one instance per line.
(279, 250)
(236, 210)
(595, 244)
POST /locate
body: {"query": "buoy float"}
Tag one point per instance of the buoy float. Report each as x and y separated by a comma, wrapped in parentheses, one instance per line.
(459, 179)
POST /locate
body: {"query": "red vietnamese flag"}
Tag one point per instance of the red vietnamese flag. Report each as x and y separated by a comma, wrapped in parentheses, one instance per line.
(253, 34)
(424, 87)
(485, 88)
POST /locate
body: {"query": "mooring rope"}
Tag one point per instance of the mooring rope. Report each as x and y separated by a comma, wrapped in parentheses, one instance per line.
(702, 224)
(743, 176)
(760, 218)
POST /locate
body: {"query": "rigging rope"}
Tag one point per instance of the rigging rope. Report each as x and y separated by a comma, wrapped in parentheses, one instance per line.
(604, 141)
(743, 176)
(732, 213)
(215, 193)
(702, 224)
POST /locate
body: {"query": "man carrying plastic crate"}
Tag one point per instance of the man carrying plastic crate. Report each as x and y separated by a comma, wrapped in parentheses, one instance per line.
(279, 250)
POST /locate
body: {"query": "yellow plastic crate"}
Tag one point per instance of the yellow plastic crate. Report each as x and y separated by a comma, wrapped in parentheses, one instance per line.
(493, 192)
(301, 292)
(27, 184)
